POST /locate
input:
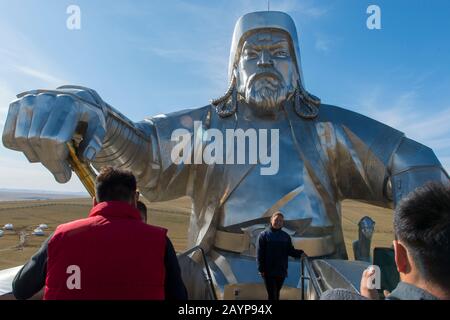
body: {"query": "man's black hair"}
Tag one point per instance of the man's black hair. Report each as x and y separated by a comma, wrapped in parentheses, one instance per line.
(115, 185)
(422, 223)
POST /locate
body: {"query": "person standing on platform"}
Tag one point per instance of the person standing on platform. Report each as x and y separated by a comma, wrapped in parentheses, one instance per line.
(274, 248)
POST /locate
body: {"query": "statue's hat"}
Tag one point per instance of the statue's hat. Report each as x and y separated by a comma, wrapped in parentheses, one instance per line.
(254, 21)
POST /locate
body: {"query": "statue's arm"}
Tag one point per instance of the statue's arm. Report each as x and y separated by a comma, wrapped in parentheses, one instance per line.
(372, 162)
(131, 146)
(145, 148)
(41, 123)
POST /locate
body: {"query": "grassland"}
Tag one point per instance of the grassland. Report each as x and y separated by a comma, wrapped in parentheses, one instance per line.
(18, 246)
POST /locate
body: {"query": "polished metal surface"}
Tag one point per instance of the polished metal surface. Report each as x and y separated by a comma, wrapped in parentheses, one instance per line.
(326, 154)
(339, 274)
(264, 20)
(198, 282)
(245, 243)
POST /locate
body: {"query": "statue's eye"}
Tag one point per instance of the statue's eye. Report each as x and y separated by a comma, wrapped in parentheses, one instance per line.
(281, 54)
(249, 54)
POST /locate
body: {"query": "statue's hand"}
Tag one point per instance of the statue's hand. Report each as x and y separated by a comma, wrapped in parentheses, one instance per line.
(41, 123)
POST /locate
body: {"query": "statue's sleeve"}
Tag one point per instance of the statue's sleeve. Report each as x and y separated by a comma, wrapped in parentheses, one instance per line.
(129, 146)
(373, 162)
(145, 149)
(412, 165)
(173, 178)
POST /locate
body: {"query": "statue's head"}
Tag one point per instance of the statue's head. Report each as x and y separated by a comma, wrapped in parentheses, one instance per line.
(264, 67)
(366, 226)
(265, 72)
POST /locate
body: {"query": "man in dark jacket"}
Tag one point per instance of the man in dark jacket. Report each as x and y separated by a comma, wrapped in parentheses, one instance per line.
(111, 254)
(274, 248)
(421, 245)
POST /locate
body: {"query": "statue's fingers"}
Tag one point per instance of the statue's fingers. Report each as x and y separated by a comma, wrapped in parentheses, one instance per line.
(53, 137)
(60, 170)
(95, 144)
(9, 129)
(66, 133)
(46, 102)
(93, 141)
(23, 124)
(59, 130)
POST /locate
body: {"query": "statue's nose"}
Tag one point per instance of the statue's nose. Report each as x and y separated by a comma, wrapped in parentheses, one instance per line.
(265, 60)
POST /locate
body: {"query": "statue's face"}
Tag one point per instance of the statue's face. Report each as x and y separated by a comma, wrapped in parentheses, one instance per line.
(367, 227)
(266, 74)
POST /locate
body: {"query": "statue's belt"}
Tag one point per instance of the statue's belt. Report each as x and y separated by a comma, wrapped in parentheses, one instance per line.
(241, 242)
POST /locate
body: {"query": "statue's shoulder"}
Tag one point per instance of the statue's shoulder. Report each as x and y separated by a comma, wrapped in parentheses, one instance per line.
(381, 138)
(184, 115)
(338, 115)
(361, 125)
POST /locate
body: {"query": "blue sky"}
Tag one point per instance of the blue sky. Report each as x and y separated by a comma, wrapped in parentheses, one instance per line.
(151, 57)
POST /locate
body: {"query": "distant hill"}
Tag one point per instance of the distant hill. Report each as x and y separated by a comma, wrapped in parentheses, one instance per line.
(23, 195)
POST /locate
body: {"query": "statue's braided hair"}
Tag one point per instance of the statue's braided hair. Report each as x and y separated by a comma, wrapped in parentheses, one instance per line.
(226, 105)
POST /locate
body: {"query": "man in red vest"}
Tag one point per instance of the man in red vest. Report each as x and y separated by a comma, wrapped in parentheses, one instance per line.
(111, 254)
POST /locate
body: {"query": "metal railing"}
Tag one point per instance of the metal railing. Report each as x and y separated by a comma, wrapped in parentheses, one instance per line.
(312, 278)
(208, 271)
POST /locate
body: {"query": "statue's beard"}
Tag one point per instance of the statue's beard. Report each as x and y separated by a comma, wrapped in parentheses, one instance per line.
(266, 92)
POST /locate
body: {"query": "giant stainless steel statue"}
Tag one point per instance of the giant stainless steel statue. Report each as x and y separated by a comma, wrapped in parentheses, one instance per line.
(327, 154)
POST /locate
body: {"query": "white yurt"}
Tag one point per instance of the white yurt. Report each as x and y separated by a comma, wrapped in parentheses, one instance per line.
(8, 226)
(43, 226)
(38, 232)
(1, 233)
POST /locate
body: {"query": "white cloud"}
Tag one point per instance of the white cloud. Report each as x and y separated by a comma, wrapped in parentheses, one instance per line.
(431, 126)
(322, 44)
(441, 143)
(24, 67)
(40, 75)
(211, 64)
(20, 56)
(404, 111)
(305, 8)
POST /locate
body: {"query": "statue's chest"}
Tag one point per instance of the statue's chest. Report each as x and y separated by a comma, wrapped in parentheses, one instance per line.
(290, 190)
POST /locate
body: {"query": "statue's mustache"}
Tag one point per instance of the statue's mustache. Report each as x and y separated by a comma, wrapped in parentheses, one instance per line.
(272, 76)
